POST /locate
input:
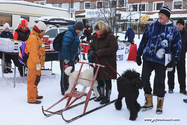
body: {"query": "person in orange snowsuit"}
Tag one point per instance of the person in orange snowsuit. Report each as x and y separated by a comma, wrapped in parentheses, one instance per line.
(36, 60)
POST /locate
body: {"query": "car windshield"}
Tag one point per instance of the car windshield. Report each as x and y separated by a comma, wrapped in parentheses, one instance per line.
(62, 30)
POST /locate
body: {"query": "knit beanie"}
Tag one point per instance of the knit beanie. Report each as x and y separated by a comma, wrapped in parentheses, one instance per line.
(79, 26)
(24, 23)
(181, 21)
(165, 10)
(128, 27)
(41, 25)
(6, 25)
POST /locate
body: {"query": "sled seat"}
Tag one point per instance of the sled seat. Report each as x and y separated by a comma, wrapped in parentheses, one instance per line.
(76, 94)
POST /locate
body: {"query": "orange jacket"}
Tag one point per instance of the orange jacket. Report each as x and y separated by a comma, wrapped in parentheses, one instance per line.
(36, 50)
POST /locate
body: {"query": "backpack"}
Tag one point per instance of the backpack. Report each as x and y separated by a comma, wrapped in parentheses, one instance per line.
(57, 42)
(23, 54)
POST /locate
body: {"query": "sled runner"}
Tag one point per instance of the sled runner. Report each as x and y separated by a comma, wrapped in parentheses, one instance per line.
(76, 95)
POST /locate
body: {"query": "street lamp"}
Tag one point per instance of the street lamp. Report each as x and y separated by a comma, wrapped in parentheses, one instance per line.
(139, 20)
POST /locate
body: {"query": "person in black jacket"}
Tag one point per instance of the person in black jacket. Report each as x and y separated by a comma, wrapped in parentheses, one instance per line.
(181, 68)
(7, 34)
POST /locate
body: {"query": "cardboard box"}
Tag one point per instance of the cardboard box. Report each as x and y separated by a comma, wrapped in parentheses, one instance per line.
(9, 45)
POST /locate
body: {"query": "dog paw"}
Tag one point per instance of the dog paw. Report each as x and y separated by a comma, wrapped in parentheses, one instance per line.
(132, 118)
(118, 105)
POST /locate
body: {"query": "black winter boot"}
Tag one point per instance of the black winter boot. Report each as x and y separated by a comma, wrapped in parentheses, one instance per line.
(107, 98)
(101, 93)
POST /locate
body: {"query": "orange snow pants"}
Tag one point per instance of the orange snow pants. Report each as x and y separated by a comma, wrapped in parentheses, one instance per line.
(32, 83)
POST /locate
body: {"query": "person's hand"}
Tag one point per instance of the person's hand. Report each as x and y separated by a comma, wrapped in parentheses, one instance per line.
(38, 66)
(172, 63)
(70, 63)
(138, 59)
(99, 52)
(66, 61)
(91, 54)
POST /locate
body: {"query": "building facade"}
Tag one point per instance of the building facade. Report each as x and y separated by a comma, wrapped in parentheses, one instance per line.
(131, 10)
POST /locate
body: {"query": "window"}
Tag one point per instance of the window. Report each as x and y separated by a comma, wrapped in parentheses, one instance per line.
(25, 17)
(5, 18)
(99, 4)
(55, 5)
(40, 2)
(177, 4)
(144, 7)
(77, 6)
(157, 5)
(87, 5)
(62, 30)
(120, 3)
(65, 6)
(113, 4)
(134, 7)
(52, 33)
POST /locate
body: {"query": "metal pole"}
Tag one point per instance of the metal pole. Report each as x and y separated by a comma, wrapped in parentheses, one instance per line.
(139, 20)
(72, 8)
(130, 15)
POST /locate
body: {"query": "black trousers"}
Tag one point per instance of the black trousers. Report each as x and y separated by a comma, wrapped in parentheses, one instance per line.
(64, 81)
(181, 73)
(160, 71)
(108, 84)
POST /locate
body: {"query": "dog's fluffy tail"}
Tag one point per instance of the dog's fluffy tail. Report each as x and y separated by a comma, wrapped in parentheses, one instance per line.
(68, 70)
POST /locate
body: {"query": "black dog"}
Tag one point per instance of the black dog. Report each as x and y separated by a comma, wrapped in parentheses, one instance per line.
(128, 85)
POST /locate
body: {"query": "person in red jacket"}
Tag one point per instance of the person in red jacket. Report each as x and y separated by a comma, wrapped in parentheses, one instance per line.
(22, 33)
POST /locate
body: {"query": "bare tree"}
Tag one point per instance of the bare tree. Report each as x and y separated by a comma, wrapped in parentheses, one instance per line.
(108, 11)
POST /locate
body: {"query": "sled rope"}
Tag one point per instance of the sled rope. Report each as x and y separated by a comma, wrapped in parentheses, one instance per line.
(110, 67)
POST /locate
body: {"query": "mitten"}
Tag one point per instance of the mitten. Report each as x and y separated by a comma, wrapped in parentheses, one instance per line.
(172, 63)
(138, 60)
(38, 66)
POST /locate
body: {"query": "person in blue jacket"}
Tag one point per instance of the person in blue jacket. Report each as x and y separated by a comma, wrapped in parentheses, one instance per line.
(7, 34)
(68, 55)
(130, 35)
(160, 38)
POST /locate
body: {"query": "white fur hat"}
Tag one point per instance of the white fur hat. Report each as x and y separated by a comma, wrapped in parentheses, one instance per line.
(41, 25)
(6, 25)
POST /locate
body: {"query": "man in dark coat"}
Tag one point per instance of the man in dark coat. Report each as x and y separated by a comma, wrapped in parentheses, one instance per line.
(103, 51)
(181, 68)
(129, 34)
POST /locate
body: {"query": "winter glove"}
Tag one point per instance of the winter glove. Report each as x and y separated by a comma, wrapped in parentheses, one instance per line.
(138, 59)
(38, 66)
(91, 55)
(70, 63)
(99, 52)
(66, 61)
(172, 63)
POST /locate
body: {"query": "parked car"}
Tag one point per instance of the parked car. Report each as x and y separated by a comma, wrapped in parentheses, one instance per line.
(52, 31)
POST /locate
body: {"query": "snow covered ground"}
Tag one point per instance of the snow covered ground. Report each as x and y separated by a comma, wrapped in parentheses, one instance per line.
(14, 109)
